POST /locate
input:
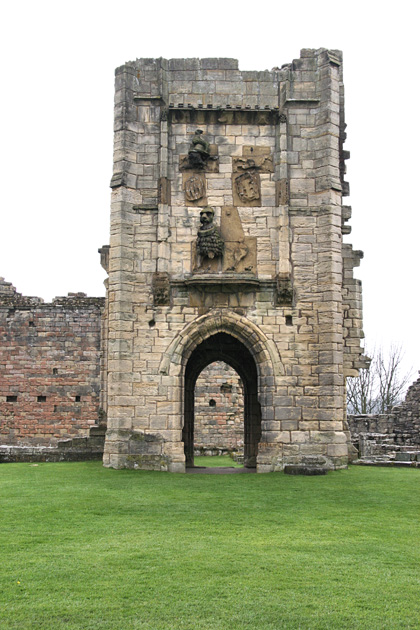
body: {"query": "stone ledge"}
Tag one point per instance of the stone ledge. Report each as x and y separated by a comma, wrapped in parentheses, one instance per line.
(223, 279)
(15, 454)
(386, 464)
(227, 107)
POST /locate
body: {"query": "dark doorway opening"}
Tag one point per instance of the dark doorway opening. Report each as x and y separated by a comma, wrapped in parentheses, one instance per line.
(224, 347)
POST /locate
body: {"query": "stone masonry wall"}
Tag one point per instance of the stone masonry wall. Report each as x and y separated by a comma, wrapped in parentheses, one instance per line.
(49, 367)
(391, 436)
(282, 297)
(219, 410)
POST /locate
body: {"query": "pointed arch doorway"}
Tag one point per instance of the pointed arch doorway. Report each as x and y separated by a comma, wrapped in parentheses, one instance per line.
(224, 347)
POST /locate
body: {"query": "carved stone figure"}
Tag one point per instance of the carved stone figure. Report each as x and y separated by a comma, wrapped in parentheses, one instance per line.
(199, 151)
(209, 242)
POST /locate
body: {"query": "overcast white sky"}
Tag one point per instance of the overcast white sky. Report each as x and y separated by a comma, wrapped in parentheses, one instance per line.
(58, 62)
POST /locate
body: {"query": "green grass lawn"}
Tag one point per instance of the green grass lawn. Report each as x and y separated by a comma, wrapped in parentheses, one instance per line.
(216, 461)
(87, 547)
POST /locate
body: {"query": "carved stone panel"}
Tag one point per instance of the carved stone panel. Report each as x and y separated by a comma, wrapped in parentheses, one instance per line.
(254, 158)
(194, 185)
(246, 188)
(241, 256)
(246, 174)
(240, 250)
(161, 289)
(284, 293)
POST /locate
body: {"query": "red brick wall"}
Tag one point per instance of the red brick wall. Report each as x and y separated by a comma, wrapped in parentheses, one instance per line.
(219, 406)
(52, 351)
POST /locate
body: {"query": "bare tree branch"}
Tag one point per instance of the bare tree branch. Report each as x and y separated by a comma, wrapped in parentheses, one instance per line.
(379, 387)
(390, 382)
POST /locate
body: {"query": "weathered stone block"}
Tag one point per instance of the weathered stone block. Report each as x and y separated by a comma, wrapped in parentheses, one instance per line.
(288, 413)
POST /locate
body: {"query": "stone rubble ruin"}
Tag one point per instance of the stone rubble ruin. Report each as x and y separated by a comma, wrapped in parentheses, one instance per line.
(392, 438)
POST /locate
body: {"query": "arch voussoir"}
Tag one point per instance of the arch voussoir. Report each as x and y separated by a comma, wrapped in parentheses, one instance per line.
(227, 322)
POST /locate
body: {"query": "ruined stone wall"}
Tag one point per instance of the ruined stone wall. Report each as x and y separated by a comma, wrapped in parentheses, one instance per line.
(49, 367)
(219, 410)
(387, 437)
(281, 297)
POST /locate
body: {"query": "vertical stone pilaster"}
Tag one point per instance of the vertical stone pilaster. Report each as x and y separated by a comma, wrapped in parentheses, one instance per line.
(282, 197)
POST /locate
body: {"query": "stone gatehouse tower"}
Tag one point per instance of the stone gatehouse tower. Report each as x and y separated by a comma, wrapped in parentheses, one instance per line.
(226, 245)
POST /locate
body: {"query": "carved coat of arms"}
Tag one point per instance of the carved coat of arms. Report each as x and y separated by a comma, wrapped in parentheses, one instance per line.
(247, 186)
(194, 188)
